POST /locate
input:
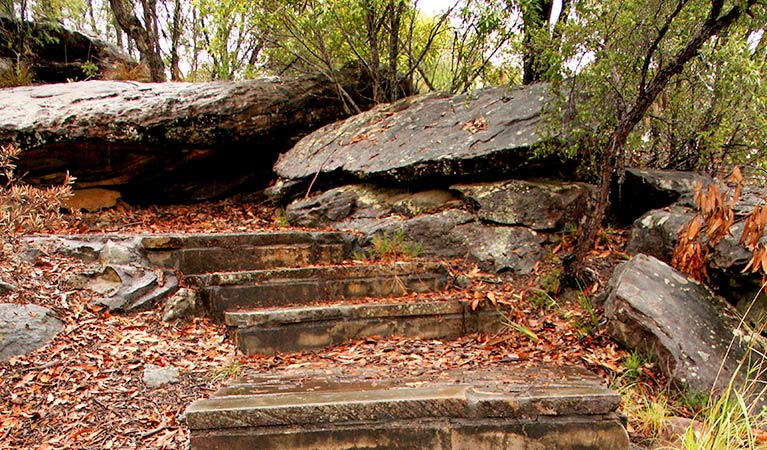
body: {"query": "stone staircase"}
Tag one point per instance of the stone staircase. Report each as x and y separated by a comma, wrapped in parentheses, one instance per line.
(297, 291)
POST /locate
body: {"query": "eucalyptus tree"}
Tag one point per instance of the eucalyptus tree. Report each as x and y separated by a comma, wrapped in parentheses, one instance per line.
(620, 58)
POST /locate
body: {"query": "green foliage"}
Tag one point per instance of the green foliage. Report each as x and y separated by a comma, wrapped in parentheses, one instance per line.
(281, 218)
(634, 366)
(551, 281)
(90, 69)
(514, 326)
(708, 116)
(542, 299)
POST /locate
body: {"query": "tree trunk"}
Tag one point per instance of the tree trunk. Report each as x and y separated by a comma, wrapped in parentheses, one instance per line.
(371, 24)
(395, 17)
(175, 37)
(611, 159)
(535, 17)
(145, 36)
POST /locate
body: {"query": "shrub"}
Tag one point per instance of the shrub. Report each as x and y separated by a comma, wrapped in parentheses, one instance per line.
(24, 208)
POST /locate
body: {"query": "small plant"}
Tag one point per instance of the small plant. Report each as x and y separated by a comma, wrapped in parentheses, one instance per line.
(393, 246)
(127, 71)
(90, 69)
(18, 74)
(509, 323)
(542, 299)
(590, 322)
(694, 400)
(281, 218)
(551, 282)
(227, 372)
(634, 366)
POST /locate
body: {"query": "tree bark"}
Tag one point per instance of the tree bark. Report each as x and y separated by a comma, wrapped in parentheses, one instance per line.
(145, 36)
(175, 37)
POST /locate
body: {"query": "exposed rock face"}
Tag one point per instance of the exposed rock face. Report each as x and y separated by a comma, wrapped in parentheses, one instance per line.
(501, 235)
(125, 281)
(487, 134)
(656, 232)
(167, 141)
(56, 54)
(131, 288)
(499, 249)
(539, 205)
(24, 328)
(365, 201)
(652, 307)
(433, 232)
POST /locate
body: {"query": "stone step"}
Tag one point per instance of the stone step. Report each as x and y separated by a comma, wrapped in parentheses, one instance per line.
(307, 285)
(510, 406)
(290, 329)
(221, 252)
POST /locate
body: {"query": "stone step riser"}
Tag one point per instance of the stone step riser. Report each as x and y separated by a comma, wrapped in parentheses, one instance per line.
(233, 291)
(200, 254)
(509, 407)
(589, 433)
(317, 332)
(222, 259)
(222, 298)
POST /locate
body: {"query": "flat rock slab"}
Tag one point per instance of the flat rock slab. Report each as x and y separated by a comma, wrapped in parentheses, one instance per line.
(433, 136)
(163, 142)
(282, 330)
(694, 334)
(204, 253)
(507, 407)
(301, 286)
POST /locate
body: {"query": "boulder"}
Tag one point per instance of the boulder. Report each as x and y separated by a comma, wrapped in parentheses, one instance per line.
(92, 200)
(656, 232)
(693, 334)
(128, 288)
(166, 142)
(434, 233)
(56, 54)
(427, 139)
(24, 328)
(540, 205)
(643, 190)
(453, 233)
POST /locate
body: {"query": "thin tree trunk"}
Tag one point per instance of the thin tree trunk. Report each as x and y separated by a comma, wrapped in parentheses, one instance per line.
(394, 26)
(145, 36)
(175, 37)
(611, 158)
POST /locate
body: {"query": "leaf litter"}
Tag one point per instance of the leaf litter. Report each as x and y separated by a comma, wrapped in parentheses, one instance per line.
(84, 390)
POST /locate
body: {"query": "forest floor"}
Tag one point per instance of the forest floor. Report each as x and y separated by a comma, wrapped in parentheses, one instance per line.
(84, 390)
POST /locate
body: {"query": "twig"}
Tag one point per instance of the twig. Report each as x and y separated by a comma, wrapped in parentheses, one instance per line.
(156, 430)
